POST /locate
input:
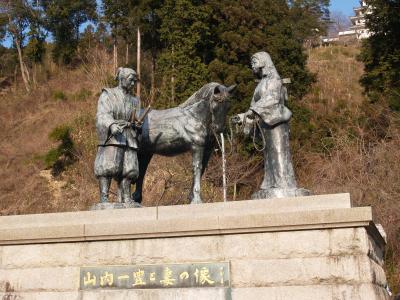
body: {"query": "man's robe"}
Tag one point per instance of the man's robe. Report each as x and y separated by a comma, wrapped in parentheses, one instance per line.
(116, 155)
(114, 106)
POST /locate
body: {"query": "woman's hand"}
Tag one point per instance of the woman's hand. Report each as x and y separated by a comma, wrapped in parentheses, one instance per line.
(249, 115)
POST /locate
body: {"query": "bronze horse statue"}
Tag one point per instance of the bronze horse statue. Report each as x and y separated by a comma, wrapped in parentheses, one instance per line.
(190, 126)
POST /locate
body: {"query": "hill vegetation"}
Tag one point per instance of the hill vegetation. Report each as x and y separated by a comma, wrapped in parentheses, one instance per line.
(185, 43)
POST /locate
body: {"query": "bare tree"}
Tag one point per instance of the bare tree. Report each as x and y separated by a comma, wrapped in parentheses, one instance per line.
(339, 22)
(18, 13)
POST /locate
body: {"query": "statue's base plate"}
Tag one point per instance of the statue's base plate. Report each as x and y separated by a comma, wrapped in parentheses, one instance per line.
(280, 193)
(114, 205)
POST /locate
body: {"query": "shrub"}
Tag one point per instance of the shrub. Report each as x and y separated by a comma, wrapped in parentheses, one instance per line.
(394, 99)
(59, 95)
(59, 158)
(82, 95)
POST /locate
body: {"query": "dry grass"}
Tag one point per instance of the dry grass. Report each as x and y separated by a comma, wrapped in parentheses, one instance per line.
(26, 122)
(363, 153)
(338, 74)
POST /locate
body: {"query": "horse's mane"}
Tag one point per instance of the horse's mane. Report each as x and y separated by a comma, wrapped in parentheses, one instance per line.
(205, 93)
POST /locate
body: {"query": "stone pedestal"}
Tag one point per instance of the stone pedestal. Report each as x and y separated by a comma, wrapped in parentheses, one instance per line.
(305, 248)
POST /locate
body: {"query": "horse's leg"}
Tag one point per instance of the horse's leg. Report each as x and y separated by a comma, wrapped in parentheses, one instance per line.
(206, 157)
(197, 162)
(144, 160)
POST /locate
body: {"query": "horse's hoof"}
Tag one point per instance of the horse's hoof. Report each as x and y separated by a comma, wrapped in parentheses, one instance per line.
(137, 198)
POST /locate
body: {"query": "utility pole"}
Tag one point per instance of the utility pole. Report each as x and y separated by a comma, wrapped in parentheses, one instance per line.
(138, 63)
(115, 55)
(127, 54)
(223, 165)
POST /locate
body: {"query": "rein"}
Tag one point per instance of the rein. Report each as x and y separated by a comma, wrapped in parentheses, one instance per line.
(256, 124)
(212, 125)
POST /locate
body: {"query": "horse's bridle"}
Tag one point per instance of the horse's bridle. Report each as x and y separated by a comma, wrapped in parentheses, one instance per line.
(219, 100)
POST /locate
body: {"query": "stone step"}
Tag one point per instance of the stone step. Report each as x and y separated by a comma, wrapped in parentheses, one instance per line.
(302, 213)
(317, 202)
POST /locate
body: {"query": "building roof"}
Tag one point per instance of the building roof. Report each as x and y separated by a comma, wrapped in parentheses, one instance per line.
(347, 32)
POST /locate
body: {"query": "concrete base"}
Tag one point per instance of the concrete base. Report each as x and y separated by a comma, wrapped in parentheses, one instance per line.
(304, 248)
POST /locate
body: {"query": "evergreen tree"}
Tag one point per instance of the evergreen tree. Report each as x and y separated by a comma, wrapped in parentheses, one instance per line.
(102, 36)
(381, 52)
(311, 17)
(184, 32)
(242, 28)
(88, 40)
(125, 17)
(198, 40)
(36, 47)
(8, 62)
(64, 18)
(120, 15)
(3, 24)
(150, 27)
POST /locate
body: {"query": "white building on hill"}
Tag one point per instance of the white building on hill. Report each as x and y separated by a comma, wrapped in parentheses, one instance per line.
(358, 21)
(357, 31)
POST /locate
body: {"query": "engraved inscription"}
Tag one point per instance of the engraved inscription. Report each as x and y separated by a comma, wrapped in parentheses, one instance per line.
(155, 276)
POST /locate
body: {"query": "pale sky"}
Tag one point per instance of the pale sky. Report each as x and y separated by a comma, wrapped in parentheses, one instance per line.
(345, 6)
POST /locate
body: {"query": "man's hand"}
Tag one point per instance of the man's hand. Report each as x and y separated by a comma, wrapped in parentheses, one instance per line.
(119, 126)
(138, 124)
(123, 123)
(237, 120)
(116, 129)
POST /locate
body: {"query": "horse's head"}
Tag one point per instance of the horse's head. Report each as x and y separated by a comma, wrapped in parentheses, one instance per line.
(210, 103)
(219, 106)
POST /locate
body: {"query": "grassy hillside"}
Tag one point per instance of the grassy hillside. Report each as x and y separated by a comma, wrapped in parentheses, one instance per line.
(340, 143)
(344, 143)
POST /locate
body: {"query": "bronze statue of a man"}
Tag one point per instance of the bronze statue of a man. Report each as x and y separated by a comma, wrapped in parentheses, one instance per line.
(268, 109)
(117, 150)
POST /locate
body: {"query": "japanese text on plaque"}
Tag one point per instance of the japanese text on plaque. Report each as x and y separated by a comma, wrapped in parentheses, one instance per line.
(155, 276)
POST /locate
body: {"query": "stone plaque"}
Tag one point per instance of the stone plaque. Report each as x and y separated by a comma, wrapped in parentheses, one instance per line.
(194, 275)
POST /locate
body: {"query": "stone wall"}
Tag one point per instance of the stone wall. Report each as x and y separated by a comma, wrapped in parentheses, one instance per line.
(342, 259)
